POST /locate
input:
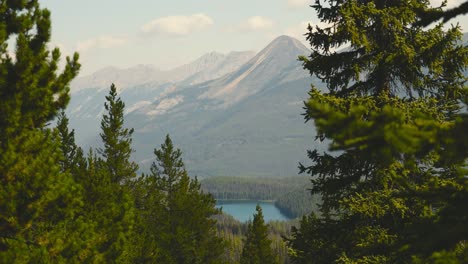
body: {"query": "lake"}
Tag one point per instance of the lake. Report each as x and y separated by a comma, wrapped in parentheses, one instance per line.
(243, 210)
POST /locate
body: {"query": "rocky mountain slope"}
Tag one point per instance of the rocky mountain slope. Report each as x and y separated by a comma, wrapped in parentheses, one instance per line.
(246, 122)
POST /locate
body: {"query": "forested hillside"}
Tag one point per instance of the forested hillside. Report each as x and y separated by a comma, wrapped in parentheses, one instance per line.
(392, 186)
(290, 195)
(233, 232)
(245, 122)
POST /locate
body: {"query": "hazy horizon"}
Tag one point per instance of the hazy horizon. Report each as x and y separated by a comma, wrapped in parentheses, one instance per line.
(169, 34)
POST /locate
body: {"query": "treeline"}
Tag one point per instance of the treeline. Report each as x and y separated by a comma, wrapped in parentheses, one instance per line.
(234, 233)
(252, 188)
(298, 203)
(290, 195)
(395, 189)
(62, 204)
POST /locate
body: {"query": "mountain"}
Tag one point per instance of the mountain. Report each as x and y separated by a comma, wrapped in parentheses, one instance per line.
(246, 122)
(122, 78)
(209, 66)
(225, 65)
(140, 85)
(276, 63)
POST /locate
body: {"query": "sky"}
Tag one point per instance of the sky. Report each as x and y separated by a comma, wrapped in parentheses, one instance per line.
(166, 34)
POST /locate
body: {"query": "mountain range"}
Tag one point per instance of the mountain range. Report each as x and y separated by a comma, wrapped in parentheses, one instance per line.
(230, 114)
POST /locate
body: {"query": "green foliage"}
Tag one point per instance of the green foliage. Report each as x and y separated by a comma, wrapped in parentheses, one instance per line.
(117, 140)
(257, 245)
(177, 213)
(289, 194)
(233, 233)
(428, 17)
(393, 96)
(115, 170)
(108, 199)
(40, 204)
(68, 146)
(298, 203)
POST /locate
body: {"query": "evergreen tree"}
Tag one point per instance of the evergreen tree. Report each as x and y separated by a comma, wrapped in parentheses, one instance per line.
(178, 214)
(117, 140)
(257, 246)
(68, 145)
(111, 207)
(106, 180)
(40, 220)
(431, 16)
(147, 199)
(73, 159)
(444, 237)
(386, 93)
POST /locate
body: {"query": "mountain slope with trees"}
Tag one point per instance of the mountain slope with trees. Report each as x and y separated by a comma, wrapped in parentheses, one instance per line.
(59, 205)
(393, 182)
(290, 194)
(258, 132)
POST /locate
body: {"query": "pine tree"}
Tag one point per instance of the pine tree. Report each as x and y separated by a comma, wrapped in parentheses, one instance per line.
(40, 205)
(147, 199)
(386, 92)
(73, 160)
(444, 237)
(431, 16)
(257, 246)
(117, 140)
(107, 181)
(68, 145)
(110, 207)
(178, 214)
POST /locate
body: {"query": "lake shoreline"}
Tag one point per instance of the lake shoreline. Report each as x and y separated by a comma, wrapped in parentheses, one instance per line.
(244, 209)
(240, 200)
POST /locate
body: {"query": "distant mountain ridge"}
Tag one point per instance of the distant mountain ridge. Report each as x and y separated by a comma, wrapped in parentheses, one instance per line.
(233, 114)
(207, 67)
(272, 61)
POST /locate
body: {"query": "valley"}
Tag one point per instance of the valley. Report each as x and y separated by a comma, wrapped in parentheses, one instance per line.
(248, 121)
(243, 210)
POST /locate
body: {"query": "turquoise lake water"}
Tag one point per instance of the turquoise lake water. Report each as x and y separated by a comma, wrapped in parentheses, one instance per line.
(244, 210)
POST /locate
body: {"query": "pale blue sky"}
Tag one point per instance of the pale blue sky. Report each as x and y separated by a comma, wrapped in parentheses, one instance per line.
(169, 33)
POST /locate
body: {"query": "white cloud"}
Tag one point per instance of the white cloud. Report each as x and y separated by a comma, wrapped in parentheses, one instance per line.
(256, 23)
(101, 42)
(178, 25)
(299, 3)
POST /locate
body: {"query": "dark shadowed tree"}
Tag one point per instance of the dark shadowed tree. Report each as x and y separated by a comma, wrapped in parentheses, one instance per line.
(257, 246)
(67, 143)
(433, 15)
(388, 90)
(117, 140)
(177, 213)
(40, 204)
(110, 179)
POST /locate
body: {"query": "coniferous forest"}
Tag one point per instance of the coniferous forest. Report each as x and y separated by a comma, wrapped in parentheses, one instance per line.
(391, 188)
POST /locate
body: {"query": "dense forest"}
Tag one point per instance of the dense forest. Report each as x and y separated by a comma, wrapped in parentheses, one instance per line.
(290, 195)
(393, 188)
(233, 233)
